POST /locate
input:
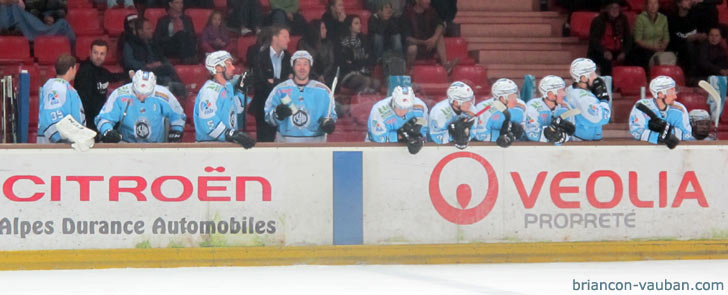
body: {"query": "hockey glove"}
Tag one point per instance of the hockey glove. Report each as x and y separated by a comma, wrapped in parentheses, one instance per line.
(409, 130)
(174, 136)
(240, 138)
(668, 138)
(599, 89)
(505, 140)
(564, 125)
(111, 136)
(283, 111)
(657, 125)
(327, 125)
(554, 135)
(517, 130)
(415, 143)
(460, 132)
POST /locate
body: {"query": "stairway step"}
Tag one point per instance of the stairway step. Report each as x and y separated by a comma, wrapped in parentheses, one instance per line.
(496, 5)
(514, 14)
(540, 39)
(524, 57)
(561, 71)
(516, 46)
(506, 30)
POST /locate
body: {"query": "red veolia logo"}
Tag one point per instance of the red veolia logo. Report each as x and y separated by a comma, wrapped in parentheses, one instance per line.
(463, 215)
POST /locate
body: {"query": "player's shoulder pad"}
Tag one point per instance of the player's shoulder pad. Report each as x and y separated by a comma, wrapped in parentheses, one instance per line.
(123, 90)
(317, 84)
(679, 106)
(383, 107)
(645, 101)
(521, 104)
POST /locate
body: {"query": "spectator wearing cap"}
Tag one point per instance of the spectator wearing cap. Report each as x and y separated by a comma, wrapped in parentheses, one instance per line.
(610, 39)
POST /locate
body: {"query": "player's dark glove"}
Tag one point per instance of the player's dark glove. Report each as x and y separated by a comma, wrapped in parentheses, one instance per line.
(240, 138)
(554, 134)
(599, 89)
(111, 136)
(283, 111)
(657, 125)
(174, 136)
(564, 125)
(505, 140)
(668, 138)
(415, 143)
(327, 125)
(460, 132)
(409, 130)
(517, 130)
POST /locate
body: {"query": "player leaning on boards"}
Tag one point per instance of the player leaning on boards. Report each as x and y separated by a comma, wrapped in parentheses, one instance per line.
(401, 117)
(502, 117)
(218, 104)
(451, 120)
(589, 95)
(701, 124)
(302, 109)
(660, 119)
(139, 108)
(547, 119)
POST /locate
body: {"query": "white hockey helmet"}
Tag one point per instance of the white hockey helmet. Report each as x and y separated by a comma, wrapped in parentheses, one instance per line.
(460, 92)
(582, 67)
(217, 58)
(403, 98)
(503, 87)
(302, 54)
(143, 83)
(698, 115)
(550, 83)
(661, 84)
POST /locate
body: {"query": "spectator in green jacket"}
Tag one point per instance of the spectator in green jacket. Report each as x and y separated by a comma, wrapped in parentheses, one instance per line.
(285, 13)
(651, 34)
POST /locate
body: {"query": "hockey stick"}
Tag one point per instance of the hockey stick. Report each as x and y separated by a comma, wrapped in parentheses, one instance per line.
(4, 112)
(712, 93)
(496, 104)
(242, 85)
(570, 113)
(331, 99)
(665, 133)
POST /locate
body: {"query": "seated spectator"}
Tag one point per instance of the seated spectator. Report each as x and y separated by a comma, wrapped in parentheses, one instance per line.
(142, 53)
(314, 41)
(247, 15)
(426, 31)
(262, 42)
(175, 33)
(398, 6)
(684, 35)
(47, 10)
(609, 38)
(208, 4)
(285, 13)
(119, 3)
(650, 34)
(214, 37)
(711, 57)
(355, 59)
(576, 5)
(129, 30)
(334, 19)
(706, 14)
(385, 30)
(13, 15)
(446, 9)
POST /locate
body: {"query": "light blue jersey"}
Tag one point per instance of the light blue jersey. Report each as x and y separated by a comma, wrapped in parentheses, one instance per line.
(441, 116)
(57, 99)
(675, 115)
(594, 114)
(490, 122)
(539, 116)
(309, 105)
(383, 121)
(216, 110)
(144, 121)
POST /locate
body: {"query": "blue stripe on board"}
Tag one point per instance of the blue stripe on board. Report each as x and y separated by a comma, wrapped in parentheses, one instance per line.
(348, 212)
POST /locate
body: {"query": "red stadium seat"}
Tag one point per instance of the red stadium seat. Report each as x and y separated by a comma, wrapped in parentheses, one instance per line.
(73, 4)
(114, 20)
(199, 18)
(476, 76)
(193, 76)
(243, 44)
(33, 111)
(628, 80)
(674, 72)
(14, 50)
(293, 44)
(49, 48)
(353, 5)
(189, 107)
(694, 101)
(581, 22)
(220, 4)
(429, 74)
(636, 5)
(458, 48)
(631, 18)
(312, 13)
(154, 14)
(85, 21)
(361, 106)
(308, 4)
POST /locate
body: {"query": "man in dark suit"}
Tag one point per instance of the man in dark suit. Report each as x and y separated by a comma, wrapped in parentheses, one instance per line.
(272, 66)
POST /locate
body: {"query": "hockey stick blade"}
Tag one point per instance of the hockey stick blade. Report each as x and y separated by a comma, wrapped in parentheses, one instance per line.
(570, 113)
(713, 94)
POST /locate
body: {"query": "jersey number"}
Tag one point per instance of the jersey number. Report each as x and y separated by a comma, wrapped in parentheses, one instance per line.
(56, 115)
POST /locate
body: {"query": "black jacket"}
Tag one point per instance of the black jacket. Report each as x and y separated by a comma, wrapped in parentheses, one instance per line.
(92, 84)
(161, 32)
(137, 54)
(263, 71)
(598, 28)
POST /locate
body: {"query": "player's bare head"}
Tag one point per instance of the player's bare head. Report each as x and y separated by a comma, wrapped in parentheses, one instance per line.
(461, 96)
(99, 48)
(66, 66)
(552, 88)
(301, 61)
(583, 71)
(506, 91)
(403, 99)
(700, 123)
(664, 89)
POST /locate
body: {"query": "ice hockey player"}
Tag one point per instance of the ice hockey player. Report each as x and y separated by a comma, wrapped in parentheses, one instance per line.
(700, 123)
(660, 119)
(140, 108)
(219, 103)
(58, 99)
(503, 116)
(589, 95)
(402, 117)
(452, 119)
(302, 109)
(544, 121)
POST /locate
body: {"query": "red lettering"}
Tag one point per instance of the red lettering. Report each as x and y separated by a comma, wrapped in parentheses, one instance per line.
(529, 199)
(83, 182)
(10, 194)
(591, 182)
(240, 187)
(663, 189)
(55, 188)
(557, 189)
(114, 188)
(682, 193)
(186, 188)
(203, 188)
(633, 193)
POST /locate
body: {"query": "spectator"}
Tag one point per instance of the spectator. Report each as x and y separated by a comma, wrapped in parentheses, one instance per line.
(385, 31)
(650, 34)
(208, 4)
(12, 14)
(285, 13)
(271, 67)
(214, 37)
(576, 5)
(684, 35)
(142, 53)
(92, 81)
(398, 6)
(262, 42)
(47, 10)
(706, 14)
(355, 59)
(426, 32)
(711, 57)
(246, 15)
(119, 3)
(334, 19)
(446, 9)
(315, 42)
(176, 34)
(129, 32)
(609, 38)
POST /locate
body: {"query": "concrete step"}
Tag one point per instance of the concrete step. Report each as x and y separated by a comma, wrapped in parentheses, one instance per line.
(519, 70)
(575, 49)
(512, 14)
(524, 57)
(542, 39)
(497, 5)
(507, 30)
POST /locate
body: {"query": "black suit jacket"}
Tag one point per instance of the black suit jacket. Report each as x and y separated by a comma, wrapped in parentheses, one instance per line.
(262, 71)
